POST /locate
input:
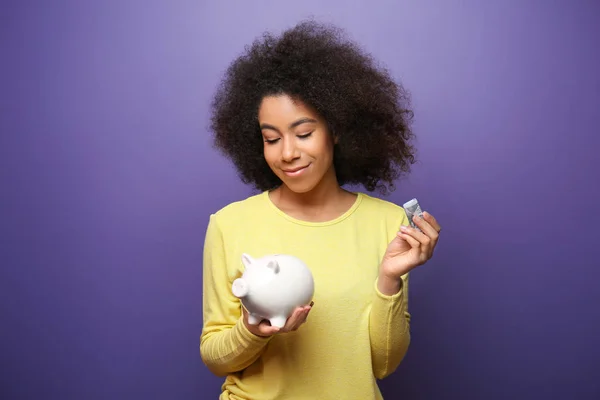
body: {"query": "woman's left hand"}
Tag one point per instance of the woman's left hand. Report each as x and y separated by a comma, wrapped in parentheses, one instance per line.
(410, 248)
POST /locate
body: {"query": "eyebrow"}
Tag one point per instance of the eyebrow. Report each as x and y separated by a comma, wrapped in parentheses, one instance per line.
(292, 125)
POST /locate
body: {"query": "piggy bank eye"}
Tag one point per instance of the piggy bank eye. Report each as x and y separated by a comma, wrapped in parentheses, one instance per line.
(274, 266)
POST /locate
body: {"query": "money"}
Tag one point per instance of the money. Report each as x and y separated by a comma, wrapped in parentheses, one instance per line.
(412, 208)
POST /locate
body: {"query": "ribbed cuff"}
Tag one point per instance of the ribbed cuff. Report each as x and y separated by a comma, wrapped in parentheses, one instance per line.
(394, 297)
(247, 338)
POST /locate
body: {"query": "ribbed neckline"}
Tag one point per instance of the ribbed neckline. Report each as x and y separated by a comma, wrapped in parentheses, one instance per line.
(349, 212)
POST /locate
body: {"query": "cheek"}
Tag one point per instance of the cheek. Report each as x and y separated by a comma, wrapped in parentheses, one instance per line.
(271, 156)
(268, 154)
(323, 151)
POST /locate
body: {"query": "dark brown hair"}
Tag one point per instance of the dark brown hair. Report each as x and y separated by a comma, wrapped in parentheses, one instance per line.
(363, 106)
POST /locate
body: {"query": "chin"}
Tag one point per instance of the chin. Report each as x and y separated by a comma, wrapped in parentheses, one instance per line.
(299, 187)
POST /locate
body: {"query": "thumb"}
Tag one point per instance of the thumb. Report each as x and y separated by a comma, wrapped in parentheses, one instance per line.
(267, 329)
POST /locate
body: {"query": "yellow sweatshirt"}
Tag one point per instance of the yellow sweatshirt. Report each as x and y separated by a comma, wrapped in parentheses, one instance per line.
(354, 334)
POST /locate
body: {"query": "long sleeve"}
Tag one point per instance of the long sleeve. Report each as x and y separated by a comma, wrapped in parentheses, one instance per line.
(389, 329)
(226, 345)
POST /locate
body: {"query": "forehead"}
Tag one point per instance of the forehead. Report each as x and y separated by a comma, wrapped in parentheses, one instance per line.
(283, 109)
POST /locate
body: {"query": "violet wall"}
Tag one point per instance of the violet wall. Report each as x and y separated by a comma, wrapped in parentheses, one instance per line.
(108, 179)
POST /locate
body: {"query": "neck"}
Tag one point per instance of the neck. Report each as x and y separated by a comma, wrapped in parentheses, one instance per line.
(327, 192)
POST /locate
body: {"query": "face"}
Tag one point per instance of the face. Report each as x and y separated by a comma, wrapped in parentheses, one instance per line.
(297, 143)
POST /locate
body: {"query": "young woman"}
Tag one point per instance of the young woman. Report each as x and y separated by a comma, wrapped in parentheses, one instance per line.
(301, 115)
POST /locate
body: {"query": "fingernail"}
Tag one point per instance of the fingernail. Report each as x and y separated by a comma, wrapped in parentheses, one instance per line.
(404, 228)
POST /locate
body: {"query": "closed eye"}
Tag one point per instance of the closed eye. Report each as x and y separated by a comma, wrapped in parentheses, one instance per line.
(304, 136)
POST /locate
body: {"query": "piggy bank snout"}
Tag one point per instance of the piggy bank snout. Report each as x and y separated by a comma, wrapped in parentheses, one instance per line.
(240, 288)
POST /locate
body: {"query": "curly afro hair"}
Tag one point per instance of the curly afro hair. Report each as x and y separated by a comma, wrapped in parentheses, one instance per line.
(363, 106)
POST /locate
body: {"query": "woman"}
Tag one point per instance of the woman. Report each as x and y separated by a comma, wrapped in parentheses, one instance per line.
(300, 116)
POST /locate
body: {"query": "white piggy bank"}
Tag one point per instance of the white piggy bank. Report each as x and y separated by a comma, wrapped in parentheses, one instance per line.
(272, 286)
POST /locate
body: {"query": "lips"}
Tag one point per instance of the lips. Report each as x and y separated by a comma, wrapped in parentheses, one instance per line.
(295, 171)
(292, 170)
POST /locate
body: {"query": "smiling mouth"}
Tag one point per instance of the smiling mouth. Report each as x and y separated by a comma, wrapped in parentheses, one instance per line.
(294, 171)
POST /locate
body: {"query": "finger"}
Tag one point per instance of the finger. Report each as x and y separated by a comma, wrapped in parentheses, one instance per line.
(266, 329)
(304, 314)
(425, 242)
(426, 228)
(414, 243)
(432, 221)
(430, 225)
(301, 318)
(421, 237)
(293, 319)
(435, 234)
(307, 308)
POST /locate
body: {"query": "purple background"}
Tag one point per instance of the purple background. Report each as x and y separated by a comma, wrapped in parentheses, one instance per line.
(108, 178)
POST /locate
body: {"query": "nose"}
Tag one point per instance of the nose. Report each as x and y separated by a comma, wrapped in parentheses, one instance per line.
(289, 152)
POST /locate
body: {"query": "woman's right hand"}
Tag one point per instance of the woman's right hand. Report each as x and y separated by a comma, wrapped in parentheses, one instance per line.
(265, 329)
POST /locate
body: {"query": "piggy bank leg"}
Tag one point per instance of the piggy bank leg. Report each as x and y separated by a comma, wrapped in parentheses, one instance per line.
(278, 321)
(253, 319)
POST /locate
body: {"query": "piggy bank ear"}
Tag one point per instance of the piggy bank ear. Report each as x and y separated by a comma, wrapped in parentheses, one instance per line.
(247, 260)
(274, 266)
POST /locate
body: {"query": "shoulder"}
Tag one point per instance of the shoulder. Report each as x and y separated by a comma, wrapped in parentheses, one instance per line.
(381, 204)
(235, 213)
(241, 206)
(374, 207)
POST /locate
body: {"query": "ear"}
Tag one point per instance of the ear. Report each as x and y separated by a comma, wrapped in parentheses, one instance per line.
(335, 138)
(247, 260)
(274, 266)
